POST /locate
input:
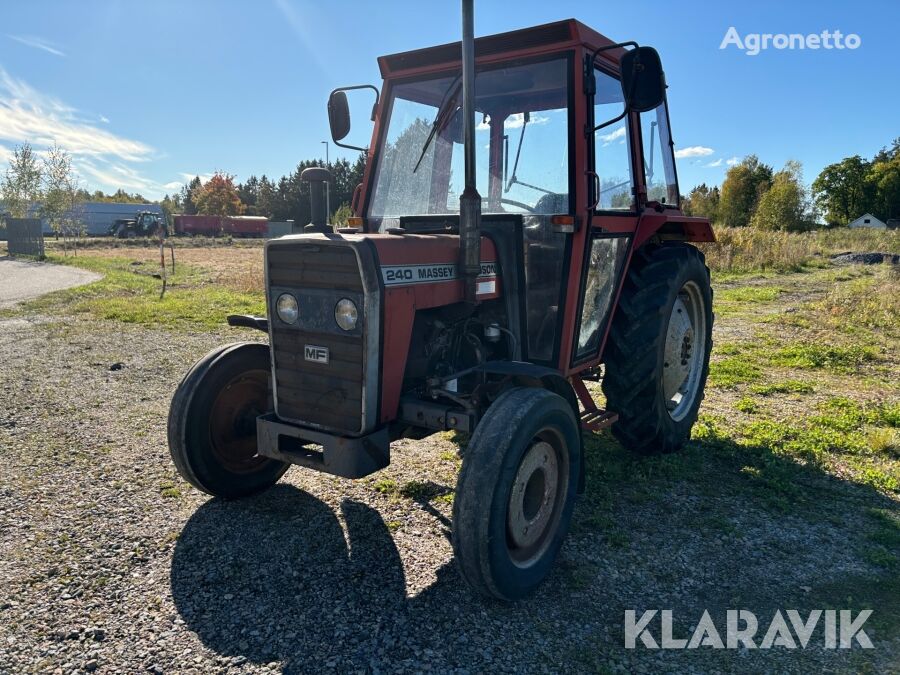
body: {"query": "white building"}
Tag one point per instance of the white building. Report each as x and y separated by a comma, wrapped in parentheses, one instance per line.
(868, 220)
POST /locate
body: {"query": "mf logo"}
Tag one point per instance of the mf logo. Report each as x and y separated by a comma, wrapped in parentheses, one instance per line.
(315, 354)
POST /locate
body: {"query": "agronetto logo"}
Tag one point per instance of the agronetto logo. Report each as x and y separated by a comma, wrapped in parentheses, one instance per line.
(753, 43)
(742, 630)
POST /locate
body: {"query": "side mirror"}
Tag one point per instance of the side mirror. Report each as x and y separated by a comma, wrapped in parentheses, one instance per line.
(643, 80)
(338, 115)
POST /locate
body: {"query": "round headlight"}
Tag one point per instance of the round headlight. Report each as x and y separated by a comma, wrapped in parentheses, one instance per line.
(286, 308)
(345, 314)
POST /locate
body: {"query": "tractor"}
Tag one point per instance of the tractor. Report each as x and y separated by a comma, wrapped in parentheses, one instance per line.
(144, 224)
(517, 233)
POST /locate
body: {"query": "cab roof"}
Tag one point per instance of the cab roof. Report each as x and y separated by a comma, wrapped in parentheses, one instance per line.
(548, 37)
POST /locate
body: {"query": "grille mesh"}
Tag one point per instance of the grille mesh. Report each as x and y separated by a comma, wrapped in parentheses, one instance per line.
(328, 395)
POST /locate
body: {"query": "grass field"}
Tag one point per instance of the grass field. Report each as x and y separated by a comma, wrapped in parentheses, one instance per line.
(788, 495)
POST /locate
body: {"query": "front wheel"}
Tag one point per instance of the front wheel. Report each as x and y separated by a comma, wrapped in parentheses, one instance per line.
(212, 422)
(516, 492)
(657, 354)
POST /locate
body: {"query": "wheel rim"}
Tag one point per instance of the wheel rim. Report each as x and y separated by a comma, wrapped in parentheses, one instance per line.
(536, 498)
(232, 421)
(684, 351)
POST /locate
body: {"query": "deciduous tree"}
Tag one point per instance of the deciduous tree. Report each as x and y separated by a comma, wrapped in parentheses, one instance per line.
(22, 182)
(218, 196)
(783, 206)
(744, 184)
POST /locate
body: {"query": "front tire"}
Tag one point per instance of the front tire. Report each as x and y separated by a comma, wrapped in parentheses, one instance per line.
(657, 354)
(516, 492)
(212, 422)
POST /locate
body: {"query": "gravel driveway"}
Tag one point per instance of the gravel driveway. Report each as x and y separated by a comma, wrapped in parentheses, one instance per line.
(110, 563)
(23, 280)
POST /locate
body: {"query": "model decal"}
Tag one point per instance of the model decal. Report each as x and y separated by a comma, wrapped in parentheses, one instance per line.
(396, 275)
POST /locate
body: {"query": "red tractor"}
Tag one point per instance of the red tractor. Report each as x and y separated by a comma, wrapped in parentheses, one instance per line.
(518, 226)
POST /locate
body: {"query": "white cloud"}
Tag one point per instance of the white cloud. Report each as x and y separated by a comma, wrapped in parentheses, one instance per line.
(173, 185)
(612, 136)
(718, 162)
(104, 119)
(37, 43)
(693, 151)
(27, 115)
(101, 156)
(732, 161)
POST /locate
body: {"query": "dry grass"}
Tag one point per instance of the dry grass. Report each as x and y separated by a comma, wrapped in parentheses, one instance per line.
(743, 250)
(238, 268)
(870, 302)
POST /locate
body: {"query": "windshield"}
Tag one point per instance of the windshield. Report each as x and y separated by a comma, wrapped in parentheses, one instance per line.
(522, 144)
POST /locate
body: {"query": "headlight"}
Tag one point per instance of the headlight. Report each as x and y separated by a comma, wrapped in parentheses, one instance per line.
(286, 308)
(345, 314)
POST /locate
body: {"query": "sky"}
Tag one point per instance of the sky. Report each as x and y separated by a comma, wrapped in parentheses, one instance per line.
(147, 95)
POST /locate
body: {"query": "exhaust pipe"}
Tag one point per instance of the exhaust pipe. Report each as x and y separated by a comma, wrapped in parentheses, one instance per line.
(470, 200)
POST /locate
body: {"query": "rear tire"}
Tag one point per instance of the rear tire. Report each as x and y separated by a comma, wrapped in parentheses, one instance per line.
(516, 492)
(657, 354)
(212, 422)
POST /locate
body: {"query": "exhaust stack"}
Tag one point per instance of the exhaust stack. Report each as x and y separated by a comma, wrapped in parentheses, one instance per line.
(470, 200)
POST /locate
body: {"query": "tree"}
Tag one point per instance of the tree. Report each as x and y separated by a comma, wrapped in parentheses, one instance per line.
(265, 197)
(187, 195)
(883, 184)
(248, 191)
(742, 188)
(703, 201)
(21, 185)
(218, 196)
(170, 206)
(339, 218)
(60, 204)
(842, 192)
(783, 206)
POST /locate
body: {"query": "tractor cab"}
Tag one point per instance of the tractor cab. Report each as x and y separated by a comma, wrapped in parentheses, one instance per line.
(569, 159)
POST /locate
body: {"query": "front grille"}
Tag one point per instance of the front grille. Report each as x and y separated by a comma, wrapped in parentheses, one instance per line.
(325, 395)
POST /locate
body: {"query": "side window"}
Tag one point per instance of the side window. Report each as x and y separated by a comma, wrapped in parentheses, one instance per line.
(612, 150)
(604, 265)
(659, 163)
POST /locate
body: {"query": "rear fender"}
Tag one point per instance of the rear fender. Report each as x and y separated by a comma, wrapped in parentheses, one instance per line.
(672, 227)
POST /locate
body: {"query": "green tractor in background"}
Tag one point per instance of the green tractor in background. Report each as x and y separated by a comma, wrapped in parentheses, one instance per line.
(144, 224)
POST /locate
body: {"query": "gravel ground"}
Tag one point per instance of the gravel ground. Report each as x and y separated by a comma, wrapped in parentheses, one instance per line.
(21, 280)
(110, 563)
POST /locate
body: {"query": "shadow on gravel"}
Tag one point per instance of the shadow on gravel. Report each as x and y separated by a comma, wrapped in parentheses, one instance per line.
(276, 578)
(273, 578)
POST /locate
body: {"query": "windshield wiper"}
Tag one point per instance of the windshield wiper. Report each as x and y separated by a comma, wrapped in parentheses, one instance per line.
(442, 118)
(514, 179)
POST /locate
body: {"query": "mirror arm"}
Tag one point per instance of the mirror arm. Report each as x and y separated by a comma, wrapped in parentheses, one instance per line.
(374, 110)
(630, 43)
(608, 122)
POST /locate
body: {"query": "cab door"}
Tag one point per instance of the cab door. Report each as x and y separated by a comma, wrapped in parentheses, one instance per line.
(612, 212)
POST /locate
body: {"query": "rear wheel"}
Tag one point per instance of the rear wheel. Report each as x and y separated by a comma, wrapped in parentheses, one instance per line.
(657, 355)
(516, 492)
(212, 422)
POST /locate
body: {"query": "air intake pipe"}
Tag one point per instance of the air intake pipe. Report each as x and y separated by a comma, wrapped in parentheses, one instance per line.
(318, 179)
(470, 200)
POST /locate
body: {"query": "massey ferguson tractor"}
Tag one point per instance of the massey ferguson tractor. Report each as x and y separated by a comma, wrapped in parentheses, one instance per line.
(518, 231)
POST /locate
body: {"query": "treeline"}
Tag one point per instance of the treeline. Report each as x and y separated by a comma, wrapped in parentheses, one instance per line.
(754, 194)
(286, 198)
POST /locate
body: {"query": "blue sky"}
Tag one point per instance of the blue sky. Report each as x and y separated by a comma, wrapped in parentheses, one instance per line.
(145, 94)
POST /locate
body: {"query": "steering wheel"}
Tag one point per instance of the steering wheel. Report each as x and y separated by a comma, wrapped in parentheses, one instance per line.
(521, 205)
